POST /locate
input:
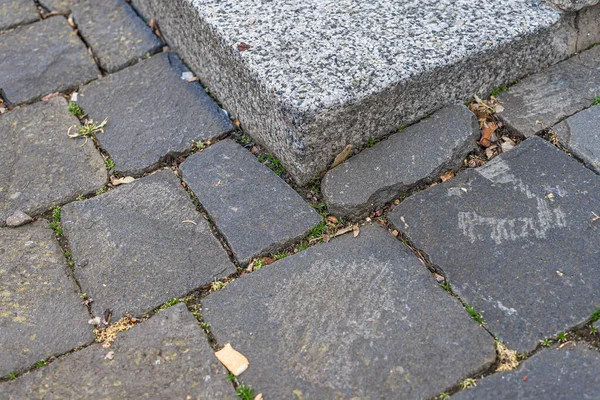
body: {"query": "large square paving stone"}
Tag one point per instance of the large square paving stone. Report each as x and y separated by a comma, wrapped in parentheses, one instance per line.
(115, 33)
(43, 58)
(151, 112)
(572, 372)
(142, 244)
(517, 239)
(17, 12)
(41, 166)
(254, 208)
(41, 314)
(165, 357)
(353, 318)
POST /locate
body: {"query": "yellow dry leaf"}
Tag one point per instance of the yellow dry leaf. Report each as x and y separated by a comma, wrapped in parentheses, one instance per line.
(233, 360)
(342, 156)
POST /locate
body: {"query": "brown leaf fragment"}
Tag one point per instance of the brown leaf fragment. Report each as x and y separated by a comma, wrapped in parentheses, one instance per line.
(233, 360)
(268, 260)
(332, 219)
(254, 150)
(343, 231)
(259, 397)
(192, 79)
(342, 156)
(356, 230)
(242, 46)
(447, 176)
(486, 134)
(395, 233)
(50, 96)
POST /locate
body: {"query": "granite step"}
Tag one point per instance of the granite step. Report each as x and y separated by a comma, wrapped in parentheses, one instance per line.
(308, 78)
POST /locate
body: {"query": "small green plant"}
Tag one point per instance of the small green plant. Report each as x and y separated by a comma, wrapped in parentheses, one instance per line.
(318, 230)
(87, 130)
(562, 337)
(67, 254)
(169, 303)
(55, 223)
(258, 264)
(199, 144)
(205, 326)
(216, 286)
(103, 189)
(595, 316)
(42, 363)
(596, 101)
(280, 255)
(76, 109)
(593, 330)
(83, 296)
(11, 376)
(245, 139)
(474, 314)
(372, 142)
(110, 164)
(245, 392)
(303, 246)
(546, 342)
(498, 90)
(446, 286)
(444, 396)
(274, 164)
(231, 377)
(468, 383)
(402, 127)
(80, 198)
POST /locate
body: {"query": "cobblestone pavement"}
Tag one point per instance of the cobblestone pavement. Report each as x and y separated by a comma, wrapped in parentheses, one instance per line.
(141, 231)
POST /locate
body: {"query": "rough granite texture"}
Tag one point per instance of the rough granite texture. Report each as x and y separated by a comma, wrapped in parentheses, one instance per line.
(572, 372)
(41, 166)
(573, 5)
(151, 113)
(322, 74)
(41, 314)
(552, 95)
(415, 156)
(62, 6)
(167, 356)
(517, 240)
(115, 33)
(141, 244)
(588, 26)
(17, 12)
(581, 135)
(255, 209)
(354, 318)
(42, 58)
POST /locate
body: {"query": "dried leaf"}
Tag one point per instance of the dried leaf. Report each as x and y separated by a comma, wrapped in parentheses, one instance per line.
(120, 181)
(486, 134)
(342, 156)
(268, 260)
(110, 355)
(447, 176)
(332, 219)
(395, 233)
(232, 359)
(259, 397)
(343, 231)
(356, 230)
(50, 96)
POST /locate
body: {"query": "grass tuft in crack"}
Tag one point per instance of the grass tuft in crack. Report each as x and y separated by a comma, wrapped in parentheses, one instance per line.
(244, 392)
(89, 129)
(596, 101)
(273, 163)
(55, 223)
(76, 109)
(474, 314)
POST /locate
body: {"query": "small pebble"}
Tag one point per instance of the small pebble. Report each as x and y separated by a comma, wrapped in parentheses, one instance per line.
(18, 218)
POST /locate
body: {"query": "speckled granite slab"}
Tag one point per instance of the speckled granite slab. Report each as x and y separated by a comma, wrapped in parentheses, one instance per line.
(308, 78)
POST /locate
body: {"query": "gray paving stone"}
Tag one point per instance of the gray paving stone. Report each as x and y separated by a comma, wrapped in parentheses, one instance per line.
(151, 112)
(41, 314)
(62, 6)
(588, 22)
(41, 166)
(572, 372)
(42, 58)
(167, 356)
(17, 12)
(322, 74)
(581, 135)
(135, 247)
(353, 318)
(417, 155)
(255, 209)
(115, 33)
(573, 5)
(516, 239)
(553, 94)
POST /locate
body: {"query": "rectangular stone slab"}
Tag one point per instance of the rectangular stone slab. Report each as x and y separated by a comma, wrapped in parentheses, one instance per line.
(308, 78)
(353, 318)
(580, 133)
(41, 314)
(572, 372)
(517, 239)
(165, 357)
